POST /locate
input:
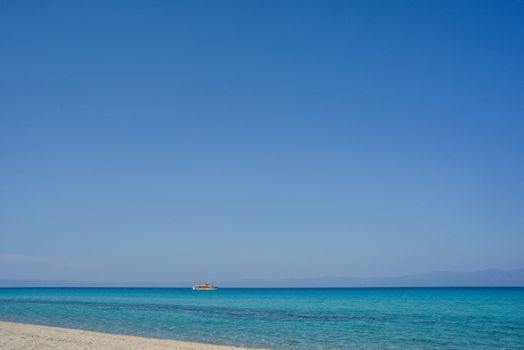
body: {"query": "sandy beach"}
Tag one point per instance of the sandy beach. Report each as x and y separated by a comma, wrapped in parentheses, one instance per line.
(18, 336)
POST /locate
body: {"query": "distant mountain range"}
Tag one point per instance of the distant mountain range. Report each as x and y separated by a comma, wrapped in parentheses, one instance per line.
(485, 278)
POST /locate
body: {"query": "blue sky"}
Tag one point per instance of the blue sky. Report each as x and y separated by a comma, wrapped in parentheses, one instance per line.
(162, 140)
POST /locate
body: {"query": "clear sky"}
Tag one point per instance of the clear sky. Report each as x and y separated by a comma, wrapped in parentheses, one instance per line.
(175, 140)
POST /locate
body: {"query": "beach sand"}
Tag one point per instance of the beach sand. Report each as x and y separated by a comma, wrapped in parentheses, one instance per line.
(18, 336)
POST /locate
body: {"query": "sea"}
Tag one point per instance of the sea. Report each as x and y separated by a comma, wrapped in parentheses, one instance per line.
(338, 318)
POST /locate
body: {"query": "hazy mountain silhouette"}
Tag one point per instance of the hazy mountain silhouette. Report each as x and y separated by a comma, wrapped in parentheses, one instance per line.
(485, 278)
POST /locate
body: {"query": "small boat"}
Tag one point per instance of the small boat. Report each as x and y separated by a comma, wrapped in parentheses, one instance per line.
(205, 286)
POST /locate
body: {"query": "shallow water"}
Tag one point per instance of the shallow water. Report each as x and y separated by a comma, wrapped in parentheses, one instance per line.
(375, 318)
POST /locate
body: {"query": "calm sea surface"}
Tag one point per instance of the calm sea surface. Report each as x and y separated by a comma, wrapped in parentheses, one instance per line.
(397, 318)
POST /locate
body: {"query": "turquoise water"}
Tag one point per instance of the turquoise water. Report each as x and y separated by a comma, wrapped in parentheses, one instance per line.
(397, 318)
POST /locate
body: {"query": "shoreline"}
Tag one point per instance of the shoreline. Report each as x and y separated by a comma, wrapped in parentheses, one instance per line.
(15, 336)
